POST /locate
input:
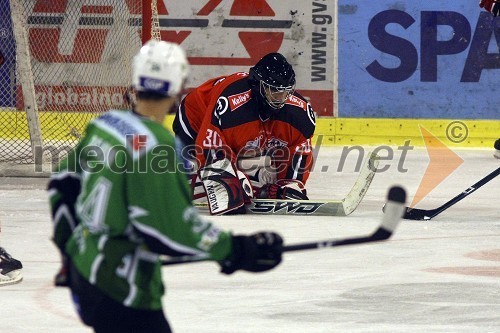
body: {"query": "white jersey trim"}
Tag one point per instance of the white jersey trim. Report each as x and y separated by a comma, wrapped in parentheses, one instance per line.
(95, 267)
(128, 125)
(152, 232)
(297, 166)
(183, 125)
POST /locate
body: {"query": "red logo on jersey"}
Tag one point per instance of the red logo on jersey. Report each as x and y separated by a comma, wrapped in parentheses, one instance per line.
(235, 101)
(294, 100)
(139, 141)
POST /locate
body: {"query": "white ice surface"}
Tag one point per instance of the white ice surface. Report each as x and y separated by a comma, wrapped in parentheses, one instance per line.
(435, 276)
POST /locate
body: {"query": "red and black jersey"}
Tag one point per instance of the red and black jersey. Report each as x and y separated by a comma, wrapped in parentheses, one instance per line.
(223, 113)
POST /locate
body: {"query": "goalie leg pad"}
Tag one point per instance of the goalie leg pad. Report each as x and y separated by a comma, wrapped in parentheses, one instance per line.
(222, 187)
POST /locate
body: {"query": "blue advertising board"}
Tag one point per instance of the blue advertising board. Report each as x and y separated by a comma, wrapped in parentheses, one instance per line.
(7, 57)
(418, 59)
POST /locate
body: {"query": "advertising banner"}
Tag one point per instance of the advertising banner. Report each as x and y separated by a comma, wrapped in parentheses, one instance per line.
(222, 37)
(7, 57)
(418, 59)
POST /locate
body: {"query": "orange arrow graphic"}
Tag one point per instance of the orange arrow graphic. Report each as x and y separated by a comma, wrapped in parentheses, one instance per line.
(442, 162)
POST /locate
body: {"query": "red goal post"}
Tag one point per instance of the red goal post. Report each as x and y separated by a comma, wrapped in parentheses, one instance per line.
(62, 63)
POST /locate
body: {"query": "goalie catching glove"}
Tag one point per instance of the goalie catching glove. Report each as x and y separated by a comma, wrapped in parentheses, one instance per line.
(493, 6)
(255, 253)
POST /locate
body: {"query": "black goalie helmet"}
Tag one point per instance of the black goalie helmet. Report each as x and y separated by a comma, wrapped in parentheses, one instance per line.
(273, 79)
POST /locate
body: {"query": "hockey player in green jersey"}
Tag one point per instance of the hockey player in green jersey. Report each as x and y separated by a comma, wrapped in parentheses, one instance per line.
(120, 199)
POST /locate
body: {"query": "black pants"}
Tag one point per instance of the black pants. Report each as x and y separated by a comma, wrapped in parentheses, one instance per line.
(106, 315)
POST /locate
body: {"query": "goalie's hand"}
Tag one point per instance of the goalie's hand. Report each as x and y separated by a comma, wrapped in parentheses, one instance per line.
(255, 253)
(493, 6)
(283, 189)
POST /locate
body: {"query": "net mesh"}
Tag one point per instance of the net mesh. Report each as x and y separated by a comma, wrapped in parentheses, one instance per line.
(80, 55)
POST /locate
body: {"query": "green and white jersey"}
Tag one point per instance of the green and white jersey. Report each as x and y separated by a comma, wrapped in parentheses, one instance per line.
(134, 204)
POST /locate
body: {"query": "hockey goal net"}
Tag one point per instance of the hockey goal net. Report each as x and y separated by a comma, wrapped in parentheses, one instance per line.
(62, 63)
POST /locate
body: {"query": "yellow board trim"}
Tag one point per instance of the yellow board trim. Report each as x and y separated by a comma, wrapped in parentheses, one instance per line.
(57, 126)
(333, 131)
(376, 131)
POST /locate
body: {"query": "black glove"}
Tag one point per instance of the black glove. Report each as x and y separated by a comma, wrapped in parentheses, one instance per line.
(62, 277)
(68, 188)
(274, 191)
(255, 253)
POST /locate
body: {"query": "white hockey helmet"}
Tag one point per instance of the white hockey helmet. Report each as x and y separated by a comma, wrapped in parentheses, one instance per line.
(160, 67)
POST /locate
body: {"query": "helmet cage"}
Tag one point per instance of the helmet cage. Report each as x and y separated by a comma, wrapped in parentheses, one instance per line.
(276, 96)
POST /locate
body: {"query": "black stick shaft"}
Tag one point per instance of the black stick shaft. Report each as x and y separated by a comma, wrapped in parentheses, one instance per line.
(319, 245)
(290, 248)
(390, 220)
(379, 235)
(418, 214)
(468, 191)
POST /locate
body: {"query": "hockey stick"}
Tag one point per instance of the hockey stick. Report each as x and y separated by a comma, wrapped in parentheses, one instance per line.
(342, 207)
(394, 209)
(423, 214)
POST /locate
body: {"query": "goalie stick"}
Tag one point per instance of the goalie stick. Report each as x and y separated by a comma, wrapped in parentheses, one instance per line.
(423, 214)
(394, 209)
(342, 207)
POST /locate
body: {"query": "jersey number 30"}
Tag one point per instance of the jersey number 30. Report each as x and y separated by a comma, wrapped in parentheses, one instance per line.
(212, 139)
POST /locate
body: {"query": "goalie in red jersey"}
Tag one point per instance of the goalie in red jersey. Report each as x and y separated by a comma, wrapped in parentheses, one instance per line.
(250, 136)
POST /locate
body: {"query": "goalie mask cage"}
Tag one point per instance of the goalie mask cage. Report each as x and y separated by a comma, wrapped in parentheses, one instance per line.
(62, 63)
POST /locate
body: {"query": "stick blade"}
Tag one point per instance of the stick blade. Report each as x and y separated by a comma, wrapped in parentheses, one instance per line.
(417, 214)
(360, 187)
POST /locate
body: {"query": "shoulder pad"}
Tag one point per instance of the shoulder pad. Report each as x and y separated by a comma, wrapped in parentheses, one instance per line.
(127, 129)
(234, 97)
(299, 113)
(239, 92)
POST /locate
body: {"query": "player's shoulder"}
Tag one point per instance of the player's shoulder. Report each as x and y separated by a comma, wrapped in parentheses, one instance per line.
(225, 85)
(234, 86)
(299, 113)
(234, 91)
(235, 102)
(136, 133)
(234, 80)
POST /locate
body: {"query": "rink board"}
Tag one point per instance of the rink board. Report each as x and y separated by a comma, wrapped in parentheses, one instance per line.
(331, 131)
